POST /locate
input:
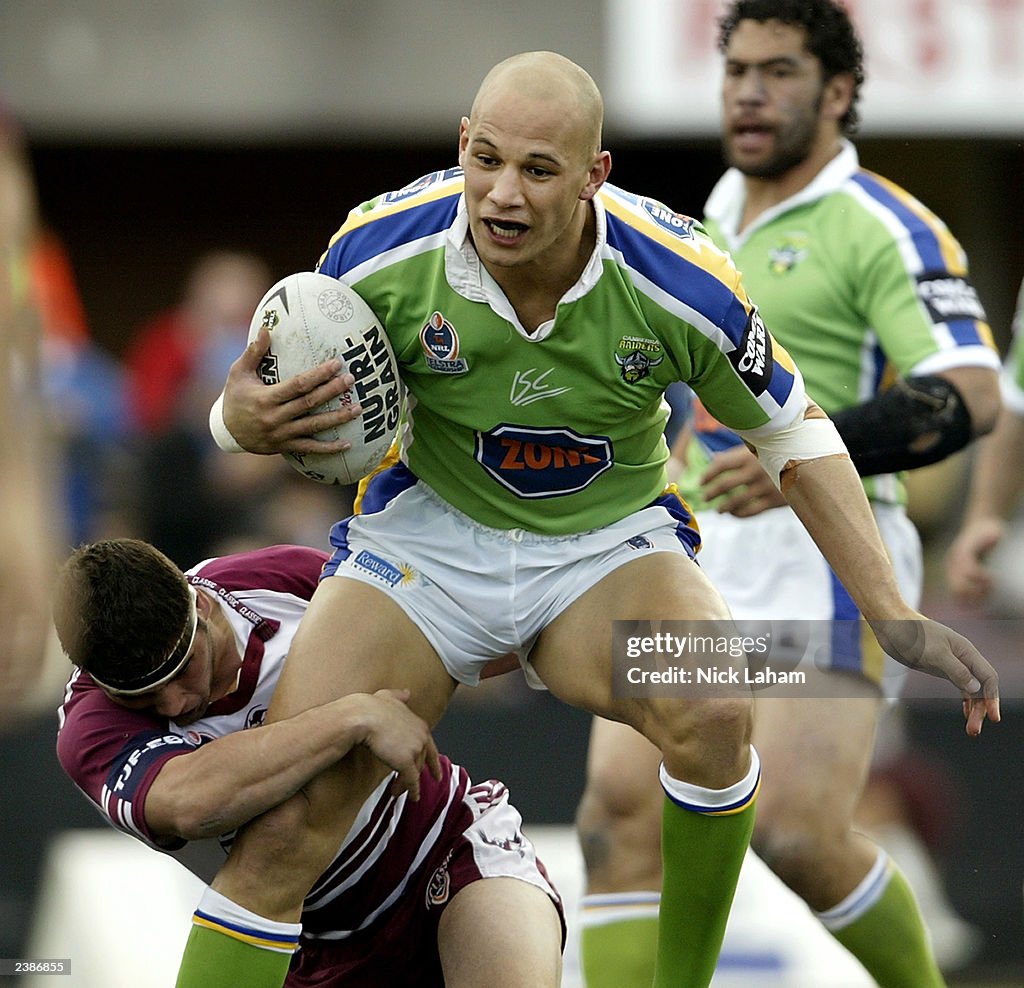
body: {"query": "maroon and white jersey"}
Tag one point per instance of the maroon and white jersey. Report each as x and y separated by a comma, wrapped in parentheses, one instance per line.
(395, 845)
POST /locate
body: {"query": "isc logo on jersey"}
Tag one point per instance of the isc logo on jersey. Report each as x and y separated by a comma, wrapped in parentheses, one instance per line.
(540, 463)
(753, 357)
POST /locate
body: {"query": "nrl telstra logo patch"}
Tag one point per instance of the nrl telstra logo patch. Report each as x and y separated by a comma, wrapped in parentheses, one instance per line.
(440, 343)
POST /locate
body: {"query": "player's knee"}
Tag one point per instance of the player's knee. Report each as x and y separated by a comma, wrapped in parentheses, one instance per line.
(594, 832)
(280, 831)
(285, 844)
(618, 824)
(796, 851)
(276, 858)
(705, 742)
(614, 789)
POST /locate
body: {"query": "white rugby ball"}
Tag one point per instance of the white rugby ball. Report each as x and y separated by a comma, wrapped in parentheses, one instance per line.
(312, 318)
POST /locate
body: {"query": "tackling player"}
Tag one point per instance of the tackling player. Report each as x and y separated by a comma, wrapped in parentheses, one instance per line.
(162, 727)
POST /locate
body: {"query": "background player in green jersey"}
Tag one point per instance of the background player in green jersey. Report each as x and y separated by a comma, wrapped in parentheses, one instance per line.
(996, 484)
(521, 254)
(866, 289)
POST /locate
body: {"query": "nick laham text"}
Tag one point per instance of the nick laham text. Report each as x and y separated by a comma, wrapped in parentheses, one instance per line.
(715, 675)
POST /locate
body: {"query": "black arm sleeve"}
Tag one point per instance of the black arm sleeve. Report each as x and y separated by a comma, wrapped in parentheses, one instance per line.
(919, 420)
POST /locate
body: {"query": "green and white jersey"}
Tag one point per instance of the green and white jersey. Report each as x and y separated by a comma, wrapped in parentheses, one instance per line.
(1012, 379)
(561, 431)
(859, 282)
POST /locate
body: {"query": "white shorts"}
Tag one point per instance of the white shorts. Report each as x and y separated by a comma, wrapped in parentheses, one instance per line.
(768, 567)
(480, 593)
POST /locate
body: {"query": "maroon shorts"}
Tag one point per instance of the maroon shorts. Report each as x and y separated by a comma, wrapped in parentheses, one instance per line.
(399, 948)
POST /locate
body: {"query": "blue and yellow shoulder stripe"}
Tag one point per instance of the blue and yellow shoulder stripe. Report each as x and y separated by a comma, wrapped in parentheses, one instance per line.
(931, 255)
(671, 259)
(423, 208)
(935, 245)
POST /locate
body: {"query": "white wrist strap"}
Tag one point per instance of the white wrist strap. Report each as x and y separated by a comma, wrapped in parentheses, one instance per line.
(219, 430)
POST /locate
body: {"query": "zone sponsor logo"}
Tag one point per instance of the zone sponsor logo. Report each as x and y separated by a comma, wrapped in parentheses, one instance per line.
(949, 298)
(753, 357)
(198, 738)
(542, 463)
(513, 843)
(640, 542)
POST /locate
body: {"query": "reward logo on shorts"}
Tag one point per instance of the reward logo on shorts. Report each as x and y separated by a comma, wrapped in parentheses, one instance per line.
(380, 568)
(537, 463)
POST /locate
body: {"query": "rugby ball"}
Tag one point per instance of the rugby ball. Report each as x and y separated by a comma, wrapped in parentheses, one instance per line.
(312, 318)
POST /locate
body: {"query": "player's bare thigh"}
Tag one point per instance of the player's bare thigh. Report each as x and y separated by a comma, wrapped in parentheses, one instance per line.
(815, 754)
(503, 933)
(702, 741)
(354, 639)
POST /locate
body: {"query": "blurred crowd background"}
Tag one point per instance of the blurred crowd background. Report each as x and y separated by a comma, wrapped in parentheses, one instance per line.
(184, 156)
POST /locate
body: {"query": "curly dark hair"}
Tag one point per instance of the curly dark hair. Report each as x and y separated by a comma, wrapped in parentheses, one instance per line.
(831, 38)
(119, 606)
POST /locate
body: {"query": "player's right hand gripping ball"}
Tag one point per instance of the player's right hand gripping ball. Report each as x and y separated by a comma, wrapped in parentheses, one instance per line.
(312, 318)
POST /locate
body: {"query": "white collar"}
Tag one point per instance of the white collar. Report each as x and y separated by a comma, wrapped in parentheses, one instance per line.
(467, 275)
(728, 197)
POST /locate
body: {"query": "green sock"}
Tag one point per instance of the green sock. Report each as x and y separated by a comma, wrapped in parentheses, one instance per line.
(889, 936)
(619, 939)
(702, 853)
(213, 960)
(230, 946)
